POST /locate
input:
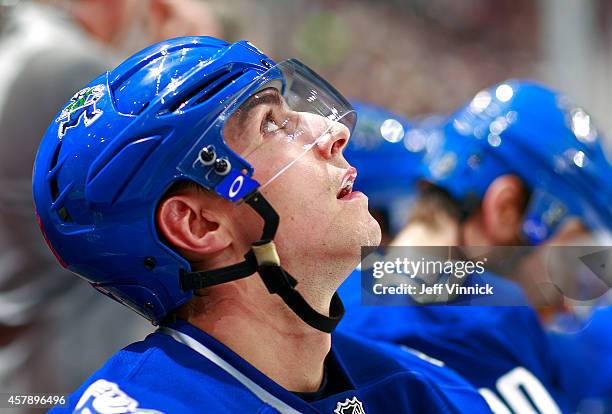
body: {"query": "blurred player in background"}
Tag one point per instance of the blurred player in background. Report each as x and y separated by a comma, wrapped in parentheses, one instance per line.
(162, 183)
(485, 171)
(374, 150)
(48, 50)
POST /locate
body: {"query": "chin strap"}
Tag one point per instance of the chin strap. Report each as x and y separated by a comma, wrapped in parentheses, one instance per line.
(263, 259)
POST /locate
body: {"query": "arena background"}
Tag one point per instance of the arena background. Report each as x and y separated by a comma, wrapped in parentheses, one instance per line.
(422, 56)
(415, 57)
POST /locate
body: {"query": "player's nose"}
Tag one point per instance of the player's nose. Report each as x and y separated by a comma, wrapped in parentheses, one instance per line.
(335, 139)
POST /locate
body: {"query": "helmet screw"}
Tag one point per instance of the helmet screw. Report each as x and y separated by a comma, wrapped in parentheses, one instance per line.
(149, 263)
(207, 155)
(222, 166)
(149, 305)
(266, 63)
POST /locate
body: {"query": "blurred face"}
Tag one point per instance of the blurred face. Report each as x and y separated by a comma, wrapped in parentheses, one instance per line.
(297, 157)
(556, 274)
(553, 274)
(564, 272)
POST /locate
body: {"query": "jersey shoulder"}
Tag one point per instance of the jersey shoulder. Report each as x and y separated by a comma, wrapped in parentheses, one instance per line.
(159, 375)
(393, 367)
(392, 323)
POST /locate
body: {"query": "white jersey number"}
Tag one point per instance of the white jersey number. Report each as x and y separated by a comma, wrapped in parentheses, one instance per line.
(521, 393)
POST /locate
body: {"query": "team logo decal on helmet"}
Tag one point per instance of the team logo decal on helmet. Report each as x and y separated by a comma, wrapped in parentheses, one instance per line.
(352, 406)
(168, 114)
(81, 105)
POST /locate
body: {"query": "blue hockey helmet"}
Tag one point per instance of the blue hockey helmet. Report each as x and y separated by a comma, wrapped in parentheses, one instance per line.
(387, 156)
(121, 142)
(526, 129)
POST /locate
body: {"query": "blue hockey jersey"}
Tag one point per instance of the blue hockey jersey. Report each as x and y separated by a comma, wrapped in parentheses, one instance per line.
(584, 360)
(180, 369)
(502, 350)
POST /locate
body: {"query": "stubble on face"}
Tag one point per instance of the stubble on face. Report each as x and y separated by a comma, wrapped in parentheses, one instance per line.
(319, 234)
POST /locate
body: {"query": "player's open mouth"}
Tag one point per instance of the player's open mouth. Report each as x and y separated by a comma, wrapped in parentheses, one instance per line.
(346, 188)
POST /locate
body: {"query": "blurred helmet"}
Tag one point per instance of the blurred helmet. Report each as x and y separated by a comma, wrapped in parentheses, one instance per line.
(526, 129)
(121, 142)
(387, 157)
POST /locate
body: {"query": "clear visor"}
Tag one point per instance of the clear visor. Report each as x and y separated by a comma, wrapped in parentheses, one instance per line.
(279, 118)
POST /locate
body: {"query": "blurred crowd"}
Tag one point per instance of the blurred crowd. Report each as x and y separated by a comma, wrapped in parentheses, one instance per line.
(431, 56)
(426, 56)
(53, 327)
(415, 57)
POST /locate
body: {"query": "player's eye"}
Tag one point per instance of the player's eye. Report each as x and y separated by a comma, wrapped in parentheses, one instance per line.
(272, 123)
(270, 126)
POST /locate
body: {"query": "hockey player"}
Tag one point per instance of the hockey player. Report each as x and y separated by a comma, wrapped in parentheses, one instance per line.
(177, 184)
(511, 167)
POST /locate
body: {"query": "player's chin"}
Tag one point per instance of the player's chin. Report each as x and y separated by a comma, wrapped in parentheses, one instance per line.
(366, 233)
(353, 221)
(366, 229)
(374, 232)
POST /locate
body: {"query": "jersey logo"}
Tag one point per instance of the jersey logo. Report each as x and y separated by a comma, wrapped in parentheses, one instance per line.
(81, 105)
(105, 397)
(352, 406)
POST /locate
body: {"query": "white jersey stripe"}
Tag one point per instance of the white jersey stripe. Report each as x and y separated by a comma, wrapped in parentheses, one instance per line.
(262, 394)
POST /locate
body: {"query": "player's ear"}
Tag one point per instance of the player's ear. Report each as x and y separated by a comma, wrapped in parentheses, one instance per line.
(189, 223)
(502, 209)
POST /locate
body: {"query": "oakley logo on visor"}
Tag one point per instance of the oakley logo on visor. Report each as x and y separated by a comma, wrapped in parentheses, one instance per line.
(235, 186)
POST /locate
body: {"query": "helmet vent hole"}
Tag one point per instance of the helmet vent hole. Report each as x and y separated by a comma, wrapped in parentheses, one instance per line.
(63, 215)
(149, 263)
(217, 87)
(208, 88)
(144, 106)
(54, 188)
(52, 172)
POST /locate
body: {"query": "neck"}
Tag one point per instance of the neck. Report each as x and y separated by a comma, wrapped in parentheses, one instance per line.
(261, 329)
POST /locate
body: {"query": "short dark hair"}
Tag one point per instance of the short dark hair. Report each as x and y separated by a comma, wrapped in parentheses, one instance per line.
(179, 186)
(431, 201)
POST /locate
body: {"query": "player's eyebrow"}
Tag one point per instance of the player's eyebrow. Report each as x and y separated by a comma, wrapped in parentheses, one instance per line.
(267, 96)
